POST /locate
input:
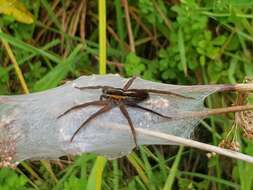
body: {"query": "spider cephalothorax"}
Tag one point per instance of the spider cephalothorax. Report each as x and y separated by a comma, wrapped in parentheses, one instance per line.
(119, 97)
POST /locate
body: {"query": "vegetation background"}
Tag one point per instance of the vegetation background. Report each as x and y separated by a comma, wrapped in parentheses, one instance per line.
(44, 43)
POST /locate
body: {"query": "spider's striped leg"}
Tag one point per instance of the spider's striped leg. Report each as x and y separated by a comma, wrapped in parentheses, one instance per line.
(129, 83)
(146, 109)
(125, 113)
(93, 103)
(104, 109)
(92, 87)
(166, 93)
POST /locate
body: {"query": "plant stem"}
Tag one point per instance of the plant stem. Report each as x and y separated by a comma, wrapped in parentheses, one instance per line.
(102, 36)
(215, 111)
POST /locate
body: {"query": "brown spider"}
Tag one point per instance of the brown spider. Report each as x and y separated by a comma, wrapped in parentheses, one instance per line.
(119, 97)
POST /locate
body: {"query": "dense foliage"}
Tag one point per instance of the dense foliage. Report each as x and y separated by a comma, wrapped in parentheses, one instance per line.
(171, 41)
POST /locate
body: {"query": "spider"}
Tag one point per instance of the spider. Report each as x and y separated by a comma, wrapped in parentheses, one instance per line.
(119, 97)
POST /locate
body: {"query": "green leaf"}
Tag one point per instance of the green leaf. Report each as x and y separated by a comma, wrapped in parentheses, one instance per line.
(133, 65)
(168, 74)
(213, 52)
(17, 10)
(9, 180)
(74, 183)
(220, 40)
(182, 50)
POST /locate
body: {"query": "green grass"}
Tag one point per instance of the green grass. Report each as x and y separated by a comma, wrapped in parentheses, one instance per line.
(187, 42)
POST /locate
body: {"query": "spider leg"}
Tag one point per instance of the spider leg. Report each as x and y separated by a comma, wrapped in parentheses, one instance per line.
(95, 103)
(92, 87)
(104, 109)
(129, 83)
(167, 93)
(125, 113)
(146, 109)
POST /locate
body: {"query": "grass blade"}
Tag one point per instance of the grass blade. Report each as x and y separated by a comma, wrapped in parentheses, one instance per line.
(171, 178)
(16, 66)
(95, 178)
(53, 77)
